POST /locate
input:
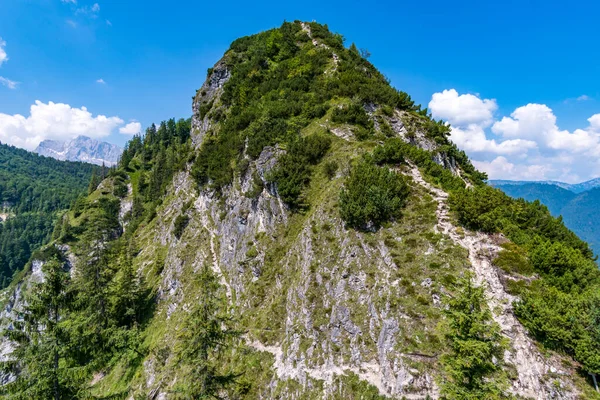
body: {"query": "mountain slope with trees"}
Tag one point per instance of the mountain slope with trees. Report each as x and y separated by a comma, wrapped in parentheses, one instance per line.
(311, 232)
(33, 191)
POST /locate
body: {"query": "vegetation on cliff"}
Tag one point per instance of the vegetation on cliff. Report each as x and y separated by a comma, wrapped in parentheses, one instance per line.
(299, 233)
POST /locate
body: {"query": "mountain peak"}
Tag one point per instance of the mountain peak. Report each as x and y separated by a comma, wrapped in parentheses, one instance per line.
(82, 148)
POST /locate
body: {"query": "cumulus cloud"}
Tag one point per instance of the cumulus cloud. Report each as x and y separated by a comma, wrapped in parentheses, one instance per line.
(473, 139)
(501, 168)
(583, 97)
(8, 83)
(594, 121)
(469, 116)
(131, 128)
(537, 122)
(3, 55)
(101, 81)
(461, 110)
(528, 144)
(53, 121)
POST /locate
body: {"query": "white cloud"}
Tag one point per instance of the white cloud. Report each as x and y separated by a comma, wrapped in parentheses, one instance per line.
(473, 139)
(131, 128)
(69, 1)
(90, 11)
(108, 23)
(53, 121)
(528, 144)
(537, 122)
(101, 81)
(462, 110)
(594, 121)
(469, 116)
(8, 83)
(583, 97)
(3, 55)
(72, 23)
(501, 168)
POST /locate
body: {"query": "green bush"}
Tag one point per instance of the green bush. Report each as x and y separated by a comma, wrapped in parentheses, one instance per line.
(372, 195)
(393, 151)
(180, 224)
(120, 190)
(330, 168)
(294, 167)
(353, 114)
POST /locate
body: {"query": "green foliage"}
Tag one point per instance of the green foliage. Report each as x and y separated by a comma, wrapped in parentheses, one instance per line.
(396, 151)
(180, 224)
(330, 168)
(561, 308)
(43, 360)
(372, 195)
(473, 365)
(257, 187)
(294, 168)
(353, 114)
(278, 85)
(120, 190)
(207, 333)
(33, 191)
(488, 209)
(94, 182)
(514, 259)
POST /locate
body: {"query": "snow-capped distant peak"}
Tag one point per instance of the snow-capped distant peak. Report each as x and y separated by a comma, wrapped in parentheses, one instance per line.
(82, 148)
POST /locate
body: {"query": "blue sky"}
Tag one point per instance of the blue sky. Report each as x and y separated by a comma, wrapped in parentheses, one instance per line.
(151, 56)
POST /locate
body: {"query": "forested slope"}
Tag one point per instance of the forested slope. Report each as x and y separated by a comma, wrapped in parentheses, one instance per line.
(33, 189)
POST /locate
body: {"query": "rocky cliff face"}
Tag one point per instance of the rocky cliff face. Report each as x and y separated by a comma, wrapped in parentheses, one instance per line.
(81, 148)
(327, 311)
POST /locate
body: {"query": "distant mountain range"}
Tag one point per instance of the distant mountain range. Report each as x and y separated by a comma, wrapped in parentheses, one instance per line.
(82, 148)
(577, 203)
(575, 188)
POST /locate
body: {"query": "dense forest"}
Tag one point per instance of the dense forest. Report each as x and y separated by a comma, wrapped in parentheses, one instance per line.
(101, 321)
(33, 190)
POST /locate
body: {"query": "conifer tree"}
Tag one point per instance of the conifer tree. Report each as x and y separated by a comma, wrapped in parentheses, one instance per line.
(94, 182)
(126, 293)
(206, 334)
(41, 361)
(473, 366)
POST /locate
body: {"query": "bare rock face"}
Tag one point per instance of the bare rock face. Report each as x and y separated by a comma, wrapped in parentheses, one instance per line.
(209, 93)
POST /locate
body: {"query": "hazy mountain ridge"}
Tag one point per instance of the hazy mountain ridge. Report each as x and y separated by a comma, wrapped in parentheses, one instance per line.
(579, 210)
(573, 187)
(83, 149)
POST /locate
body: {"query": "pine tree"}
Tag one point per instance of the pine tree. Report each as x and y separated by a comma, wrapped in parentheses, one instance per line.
(94, 182)
(41, 361)
(473, 366)
(126, 295)
(206, 335)
(91, 282)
